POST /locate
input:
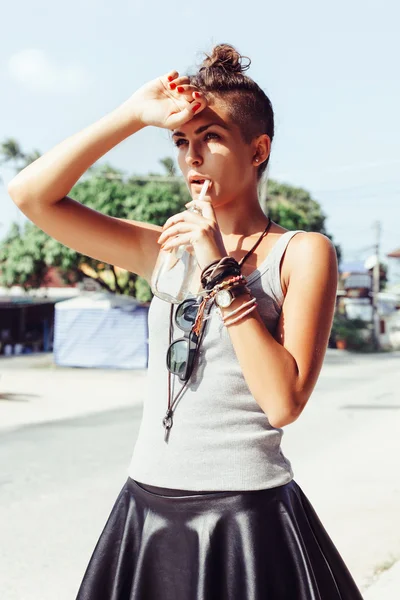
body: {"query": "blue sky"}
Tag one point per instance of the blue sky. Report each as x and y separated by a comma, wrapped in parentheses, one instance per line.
(329, 69)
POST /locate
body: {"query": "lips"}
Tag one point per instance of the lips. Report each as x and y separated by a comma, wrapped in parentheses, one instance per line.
(198, 180)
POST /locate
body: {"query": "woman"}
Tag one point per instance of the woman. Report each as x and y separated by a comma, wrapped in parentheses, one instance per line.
(210, 509)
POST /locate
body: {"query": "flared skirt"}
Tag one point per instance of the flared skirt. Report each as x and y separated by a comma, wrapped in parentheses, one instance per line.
(247, 545)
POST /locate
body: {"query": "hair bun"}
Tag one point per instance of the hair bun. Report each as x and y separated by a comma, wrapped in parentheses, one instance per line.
(225, 57)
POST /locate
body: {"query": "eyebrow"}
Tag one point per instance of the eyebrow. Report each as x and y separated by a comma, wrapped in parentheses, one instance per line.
(201, 129)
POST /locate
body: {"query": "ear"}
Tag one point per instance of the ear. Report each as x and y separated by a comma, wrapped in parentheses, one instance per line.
(262, 149)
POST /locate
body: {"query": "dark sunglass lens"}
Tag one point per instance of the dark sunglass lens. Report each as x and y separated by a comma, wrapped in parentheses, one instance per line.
(186, 314)
(177, 357)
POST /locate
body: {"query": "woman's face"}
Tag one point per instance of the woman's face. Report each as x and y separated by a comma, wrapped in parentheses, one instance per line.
(212, 147)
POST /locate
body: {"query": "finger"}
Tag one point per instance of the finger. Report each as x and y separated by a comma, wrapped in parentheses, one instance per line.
(184, 87)
(177, 229)
(187, 113)
(177, 241)
(205, 207)
(196, 95)
(186, 90)
(185, 215)
(182, 80)
(170, 76)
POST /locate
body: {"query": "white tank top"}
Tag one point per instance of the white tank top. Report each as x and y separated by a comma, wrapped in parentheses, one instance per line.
(220, 439)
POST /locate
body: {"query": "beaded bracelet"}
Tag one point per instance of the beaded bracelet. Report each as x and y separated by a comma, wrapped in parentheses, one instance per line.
(220, 276)
(238, 280)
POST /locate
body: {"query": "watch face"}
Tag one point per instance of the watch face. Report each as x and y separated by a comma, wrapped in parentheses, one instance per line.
(223, 298)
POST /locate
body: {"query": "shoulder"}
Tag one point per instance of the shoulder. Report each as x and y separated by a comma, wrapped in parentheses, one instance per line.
(308, 242)
(309, 254)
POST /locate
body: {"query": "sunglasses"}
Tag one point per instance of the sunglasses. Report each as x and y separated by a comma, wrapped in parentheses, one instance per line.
(182, 352)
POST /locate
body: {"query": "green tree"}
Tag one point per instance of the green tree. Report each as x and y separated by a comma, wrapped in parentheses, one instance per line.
(22, 258)
(294, 208)
(11, 152)
(169, 165)
(26, 253)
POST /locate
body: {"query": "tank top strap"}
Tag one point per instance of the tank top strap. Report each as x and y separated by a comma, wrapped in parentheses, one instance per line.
(274, 263)
(280, 246)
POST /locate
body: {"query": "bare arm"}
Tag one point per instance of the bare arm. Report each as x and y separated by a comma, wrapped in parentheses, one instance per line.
(49, 178)
(40, 190)
(281, 372)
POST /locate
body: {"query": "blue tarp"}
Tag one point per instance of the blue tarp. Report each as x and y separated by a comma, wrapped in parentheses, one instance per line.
(97, 334)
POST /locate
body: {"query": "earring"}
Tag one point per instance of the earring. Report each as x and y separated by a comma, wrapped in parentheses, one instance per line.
(257, 160)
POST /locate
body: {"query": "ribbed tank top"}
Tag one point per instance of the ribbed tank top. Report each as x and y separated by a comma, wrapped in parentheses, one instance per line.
(221, 439)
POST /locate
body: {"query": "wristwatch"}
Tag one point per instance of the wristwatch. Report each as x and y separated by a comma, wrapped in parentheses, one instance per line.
(225, 297)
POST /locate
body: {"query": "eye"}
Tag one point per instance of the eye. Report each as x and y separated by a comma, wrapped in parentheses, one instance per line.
(179, 142)
(208, 136)
(212, 135)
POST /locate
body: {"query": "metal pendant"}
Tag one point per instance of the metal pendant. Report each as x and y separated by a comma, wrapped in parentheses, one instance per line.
(167, 423)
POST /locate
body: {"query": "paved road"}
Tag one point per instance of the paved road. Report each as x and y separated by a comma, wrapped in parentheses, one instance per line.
(58, 484)
(59, 479)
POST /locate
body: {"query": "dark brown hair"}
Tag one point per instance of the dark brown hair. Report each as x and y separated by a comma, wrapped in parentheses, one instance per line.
(221, 75)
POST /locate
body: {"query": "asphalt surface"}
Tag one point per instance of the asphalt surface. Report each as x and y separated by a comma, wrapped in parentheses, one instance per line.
(61, 467)
(58, 484)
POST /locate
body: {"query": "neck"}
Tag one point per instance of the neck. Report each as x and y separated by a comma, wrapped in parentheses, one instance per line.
(240, 218)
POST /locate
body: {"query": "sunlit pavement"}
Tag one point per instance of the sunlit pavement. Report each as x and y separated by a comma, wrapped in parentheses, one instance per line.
(67, 437)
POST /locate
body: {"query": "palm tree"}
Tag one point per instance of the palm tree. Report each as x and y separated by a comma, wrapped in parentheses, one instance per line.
(169, 165)
(10, 151)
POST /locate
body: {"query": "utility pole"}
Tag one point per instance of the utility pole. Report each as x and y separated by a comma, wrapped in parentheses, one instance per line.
(376, 275)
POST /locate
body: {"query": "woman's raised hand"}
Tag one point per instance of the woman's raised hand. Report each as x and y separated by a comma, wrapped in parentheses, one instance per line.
(168, 101)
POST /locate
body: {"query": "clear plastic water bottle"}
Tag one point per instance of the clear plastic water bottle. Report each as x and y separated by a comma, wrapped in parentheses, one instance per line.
(173, 273)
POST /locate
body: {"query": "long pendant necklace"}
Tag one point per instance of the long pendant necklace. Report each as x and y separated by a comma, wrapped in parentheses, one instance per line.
(168, 419)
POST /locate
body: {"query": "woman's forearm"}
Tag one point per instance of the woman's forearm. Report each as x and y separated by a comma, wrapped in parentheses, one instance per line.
(269, 369)
(51, 177)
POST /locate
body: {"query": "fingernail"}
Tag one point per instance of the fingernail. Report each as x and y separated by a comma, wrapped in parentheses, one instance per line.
(180, 89)
(172, 86)
(170, 78)
(196, 107)
(197, 95)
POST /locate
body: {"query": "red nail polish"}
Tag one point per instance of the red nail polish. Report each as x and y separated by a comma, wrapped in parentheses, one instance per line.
(170, 78)
(196, 107)
(172, 86)
(180, 89)
(196, 95)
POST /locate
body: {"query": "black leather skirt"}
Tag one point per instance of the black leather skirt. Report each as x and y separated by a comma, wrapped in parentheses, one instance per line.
(254, 545)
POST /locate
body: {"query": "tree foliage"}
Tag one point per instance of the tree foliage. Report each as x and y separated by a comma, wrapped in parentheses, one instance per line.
(11, 152)
(22, 257)
(26, 253)
(169, 165)
(294, 208)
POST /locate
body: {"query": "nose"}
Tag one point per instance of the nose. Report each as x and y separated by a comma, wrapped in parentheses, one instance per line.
(193, 156)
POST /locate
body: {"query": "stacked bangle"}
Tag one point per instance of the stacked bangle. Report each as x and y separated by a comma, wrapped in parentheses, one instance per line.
(213, 274)
(227, 321)
(212, 283)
